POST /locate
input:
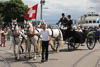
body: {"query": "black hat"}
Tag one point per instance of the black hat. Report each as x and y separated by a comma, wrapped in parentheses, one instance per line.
(63, 14)
(69, 16)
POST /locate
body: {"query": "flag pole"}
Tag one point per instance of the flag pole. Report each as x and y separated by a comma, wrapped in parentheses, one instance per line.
(42, 2)
(41, 10)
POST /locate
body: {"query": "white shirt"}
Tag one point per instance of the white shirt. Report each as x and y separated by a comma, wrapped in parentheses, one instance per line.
(45, 35)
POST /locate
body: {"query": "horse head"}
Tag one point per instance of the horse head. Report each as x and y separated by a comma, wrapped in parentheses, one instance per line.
(14, 28)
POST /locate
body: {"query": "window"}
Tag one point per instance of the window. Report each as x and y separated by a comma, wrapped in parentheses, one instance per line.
(86, 21)
(96, 15)
(94, 21)
(89, 14)
(90, 21)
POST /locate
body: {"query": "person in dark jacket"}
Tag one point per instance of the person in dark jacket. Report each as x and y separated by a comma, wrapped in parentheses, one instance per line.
(63, 20)
(70, 21)
(69, 26)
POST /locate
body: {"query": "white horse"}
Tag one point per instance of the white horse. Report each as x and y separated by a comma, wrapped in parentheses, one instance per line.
(31, 38)
(56, 35)
(36, 40)
(15, 39)
(57, 38)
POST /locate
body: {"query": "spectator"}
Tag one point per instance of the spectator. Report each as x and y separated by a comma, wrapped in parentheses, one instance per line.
(3, 37)
(0, 35)
(79, 29)
(8, 34)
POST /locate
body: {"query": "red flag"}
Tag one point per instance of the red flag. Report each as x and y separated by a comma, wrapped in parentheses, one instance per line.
(32, 12)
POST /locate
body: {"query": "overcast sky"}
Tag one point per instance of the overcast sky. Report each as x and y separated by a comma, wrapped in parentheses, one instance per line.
(73, 7)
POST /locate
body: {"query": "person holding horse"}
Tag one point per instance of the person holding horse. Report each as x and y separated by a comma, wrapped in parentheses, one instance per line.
(46, 38)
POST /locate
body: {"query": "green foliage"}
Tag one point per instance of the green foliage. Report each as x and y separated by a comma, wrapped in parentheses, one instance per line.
(13, 9)
(1, 19)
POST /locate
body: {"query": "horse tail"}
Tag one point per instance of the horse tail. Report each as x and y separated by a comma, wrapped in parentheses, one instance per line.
(60, 41)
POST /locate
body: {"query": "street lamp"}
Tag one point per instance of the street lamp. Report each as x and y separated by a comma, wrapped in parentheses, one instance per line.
(42, 2)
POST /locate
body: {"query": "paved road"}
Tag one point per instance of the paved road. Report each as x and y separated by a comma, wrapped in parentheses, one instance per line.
(82, 57)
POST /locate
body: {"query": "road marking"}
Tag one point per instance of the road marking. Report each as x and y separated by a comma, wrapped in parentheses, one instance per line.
(6, 63)
(79, 60)
(98, 63)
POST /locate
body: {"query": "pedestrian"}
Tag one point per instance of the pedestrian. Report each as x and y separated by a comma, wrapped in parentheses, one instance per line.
(3, 37)
(8, 34)
(46, 40)
(0, 35)
(79, 29)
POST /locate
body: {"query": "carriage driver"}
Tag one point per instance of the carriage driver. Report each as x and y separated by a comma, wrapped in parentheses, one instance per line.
(63, 20)
(66, 22)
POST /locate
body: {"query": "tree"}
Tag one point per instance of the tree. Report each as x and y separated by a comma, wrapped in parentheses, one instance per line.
(1, 19)
(14, 9)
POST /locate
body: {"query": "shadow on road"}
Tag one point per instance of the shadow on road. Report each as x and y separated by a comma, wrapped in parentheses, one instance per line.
(66, 50)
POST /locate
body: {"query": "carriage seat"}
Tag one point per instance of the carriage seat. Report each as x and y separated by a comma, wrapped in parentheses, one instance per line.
(52, 27)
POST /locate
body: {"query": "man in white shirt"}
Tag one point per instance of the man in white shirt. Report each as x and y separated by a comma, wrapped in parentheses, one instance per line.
(46, 38)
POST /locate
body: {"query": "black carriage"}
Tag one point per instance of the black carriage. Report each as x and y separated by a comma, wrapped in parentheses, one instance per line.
(74, 38)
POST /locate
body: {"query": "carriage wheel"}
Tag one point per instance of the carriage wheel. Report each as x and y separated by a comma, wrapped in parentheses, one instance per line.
(90, 43)
(72, 44)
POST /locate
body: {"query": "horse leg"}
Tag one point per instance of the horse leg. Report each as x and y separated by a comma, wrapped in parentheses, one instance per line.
(22, 50)
(57, 48)
(53, 46)
(29, 46)
(14, 47)
(26, 48)
(19, 48)
(34, 40)
(39, 48)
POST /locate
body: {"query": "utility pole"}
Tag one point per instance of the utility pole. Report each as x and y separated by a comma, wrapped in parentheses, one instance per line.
(42, 2)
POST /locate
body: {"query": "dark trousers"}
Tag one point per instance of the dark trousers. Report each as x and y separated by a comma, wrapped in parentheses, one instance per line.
(45, 45)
